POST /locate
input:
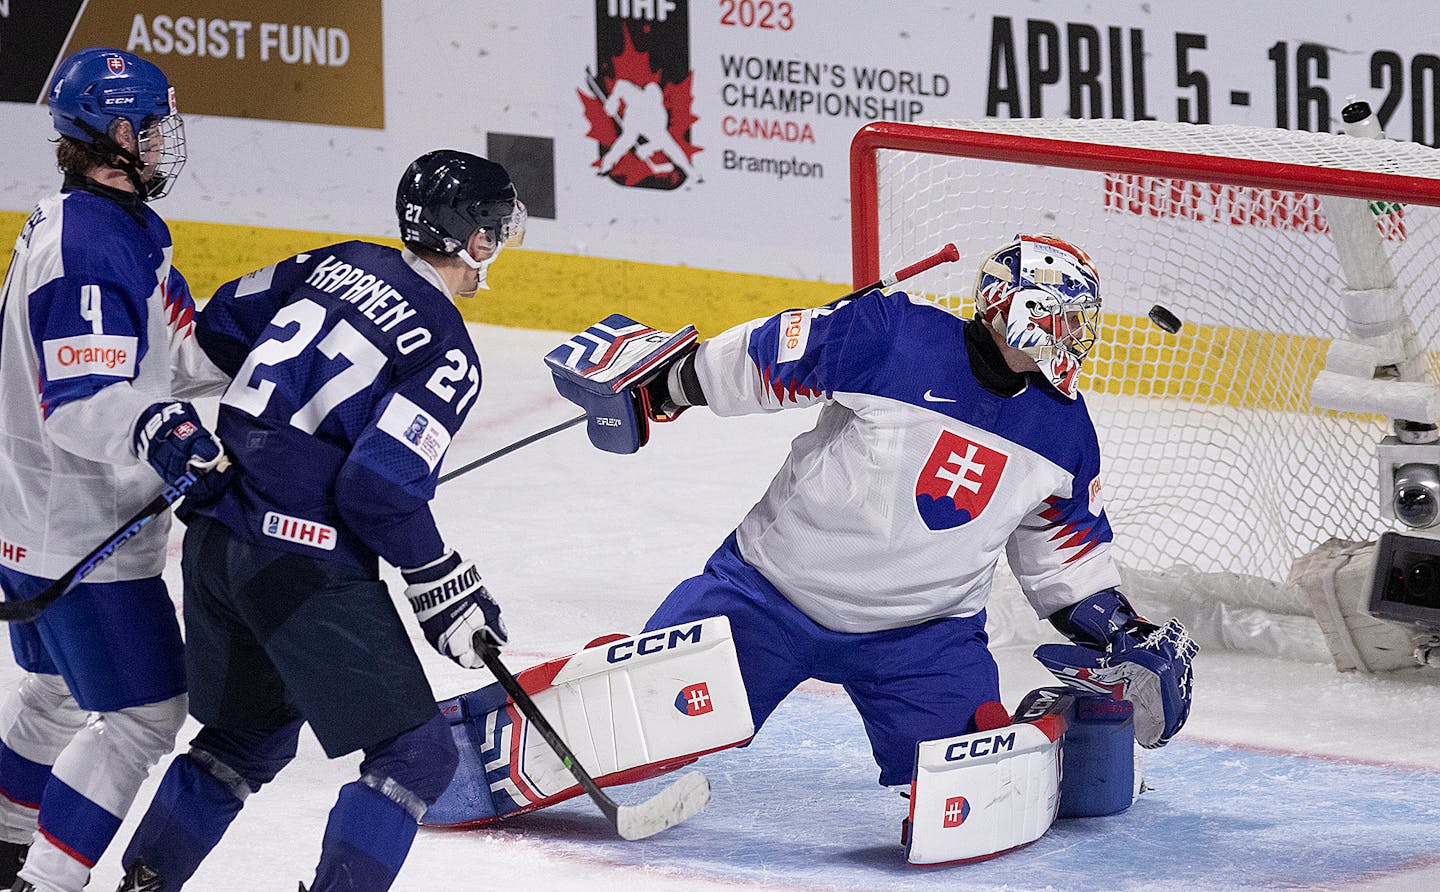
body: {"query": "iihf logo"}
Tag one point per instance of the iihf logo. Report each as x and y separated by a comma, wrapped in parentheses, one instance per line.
(639, 97)
(956, 811)
(694, 700)
(416, 431)
(957, 481)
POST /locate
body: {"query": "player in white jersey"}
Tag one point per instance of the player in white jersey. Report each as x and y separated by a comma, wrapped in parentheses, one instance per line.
(941, 442)
(95, 342)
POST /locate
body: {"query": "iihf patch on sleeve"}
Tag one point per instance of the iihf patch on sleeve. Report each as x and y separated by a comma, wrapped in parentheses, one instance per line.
(255, 282)
(794, 334)
(416, 429)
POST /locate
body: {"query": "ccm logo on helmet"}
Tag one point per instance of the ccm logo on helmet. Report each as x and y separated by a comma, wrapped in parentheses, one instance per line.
(92, 354)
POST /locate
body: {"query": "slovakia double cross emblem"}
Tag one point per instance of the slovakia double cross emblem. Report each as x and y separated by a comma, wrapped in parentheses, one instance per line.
(957, 481)
(694, 699)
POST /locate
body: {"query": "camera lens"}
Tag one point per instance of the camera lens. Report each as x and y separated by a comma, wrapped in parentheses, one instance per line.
(1417, 495)
(1422, 584)
(1415, 506)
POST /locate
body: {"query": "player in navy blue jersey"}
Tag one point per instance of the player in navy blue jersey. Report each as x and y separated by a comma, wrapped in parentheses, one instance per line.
(352, 372)
(95, 342)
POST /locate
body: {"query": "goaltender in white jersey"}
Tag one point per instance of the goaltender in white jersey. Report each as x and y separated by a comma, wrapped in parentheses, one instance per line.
(868, 562)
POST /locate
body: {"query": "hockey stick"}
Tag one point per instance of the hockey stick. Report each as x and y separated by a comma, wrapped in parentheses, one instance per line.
(25, 611)
(947, 254)
(506, 450)
(682, 799)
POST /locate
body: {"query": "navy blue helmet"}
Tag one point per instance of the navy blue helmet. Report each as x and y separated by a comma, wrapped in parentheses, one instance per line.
(445, 196)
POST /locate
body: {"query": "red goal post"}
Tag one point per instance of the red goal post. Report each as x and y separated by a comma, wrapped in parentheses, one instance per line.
(1222, 466)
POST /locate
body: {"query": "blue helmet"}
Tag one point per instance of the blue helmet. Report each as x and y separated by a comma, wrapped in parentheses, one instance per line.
(96, 87)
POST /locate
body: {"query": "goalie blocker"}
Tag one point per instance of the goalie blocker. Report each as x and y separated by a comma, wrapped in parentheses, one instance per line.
(607, 370)
(1064, 754)
(630, 708)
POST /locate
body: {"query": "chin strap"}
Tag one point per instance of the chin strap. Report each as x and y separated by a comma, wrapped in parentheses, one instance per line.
(481, 265)
(131, 166)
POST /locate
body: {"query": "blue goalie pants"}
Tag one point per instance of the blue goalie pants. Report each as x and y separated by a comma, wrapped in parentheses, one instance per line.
(910, 684)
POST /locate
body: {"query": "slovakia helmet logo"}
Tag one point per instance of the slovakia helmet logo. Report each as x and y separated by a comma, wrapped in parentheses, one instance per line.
(957, 481)
(640, 115)
(694, 699)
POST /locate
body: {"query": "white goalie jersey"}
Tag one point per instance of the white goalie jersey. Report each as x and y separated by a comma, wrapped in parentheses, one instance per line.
(894, 509)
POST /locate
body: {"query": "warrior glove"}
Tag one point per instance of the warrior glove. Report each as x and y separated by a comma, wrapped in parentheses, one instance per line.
(452, 605)
(1117, 652)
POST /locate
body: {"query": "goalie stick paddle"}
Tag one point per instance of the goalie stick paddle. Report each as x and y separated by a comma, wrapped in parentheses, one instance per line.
(27, 610)
(682, 799)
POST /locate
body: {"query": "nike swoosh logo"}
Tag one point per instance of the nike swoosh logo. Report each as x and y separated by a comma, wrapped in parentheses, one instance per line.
(932, 398)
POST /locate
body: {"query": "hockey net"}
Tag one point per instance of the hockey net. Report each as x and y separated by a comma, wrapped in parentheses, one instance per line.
(1218, 470)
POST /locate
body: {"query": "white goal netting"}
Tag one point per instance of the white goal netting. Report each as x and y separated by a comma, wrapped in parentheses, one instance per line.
(1219, 472)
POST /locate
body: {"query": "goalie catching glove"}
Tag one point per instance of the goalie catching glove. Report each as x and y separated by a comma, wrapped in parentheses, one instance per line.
(625, 375)
(1118, 652)
(452, 606)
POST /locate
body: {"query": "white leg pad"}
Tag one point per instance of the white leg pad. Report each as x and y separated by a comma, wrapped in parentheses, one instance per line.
(628, 707)
(979, 795)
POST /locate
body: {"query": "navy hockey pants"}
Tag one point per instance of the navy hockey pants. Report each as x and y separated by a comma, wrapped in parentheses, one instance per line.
(272, 636)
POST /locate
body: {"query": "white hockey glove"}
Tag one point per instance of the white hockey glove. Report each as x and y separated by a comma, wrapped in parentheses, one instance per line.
(1118, 652)
(452, 605)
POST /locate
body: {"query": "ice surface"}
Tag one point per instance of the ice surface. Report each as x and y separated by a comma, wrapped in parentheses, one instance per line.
(1288, 775)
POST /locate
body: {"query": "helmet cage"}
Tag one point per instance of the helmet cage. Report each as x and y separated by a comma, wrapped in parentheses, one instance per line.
(1042, 295)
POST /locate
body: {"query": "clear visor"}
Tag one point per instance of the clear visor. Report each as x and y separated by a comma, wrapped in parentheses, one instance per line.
(487, 240)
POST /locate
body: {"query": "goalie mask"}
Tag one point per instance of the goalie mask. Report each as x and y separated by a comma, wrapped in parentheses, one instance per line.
(96, 89)
(1042, 295)
(447, 196)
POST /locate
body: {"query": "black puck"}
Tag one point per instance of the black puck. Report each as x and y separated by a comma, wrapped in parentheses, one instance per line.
(1165, 319)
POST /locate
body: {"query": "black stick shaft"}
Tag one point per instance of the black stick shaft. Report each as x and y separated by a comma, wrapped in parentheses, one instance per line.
(527, 706)
(506, 450)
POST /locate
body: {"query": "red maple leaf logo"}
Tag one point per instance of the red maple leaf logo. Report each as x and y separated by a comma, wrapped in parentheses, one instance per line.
(649, 162)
